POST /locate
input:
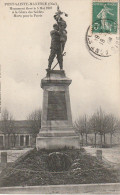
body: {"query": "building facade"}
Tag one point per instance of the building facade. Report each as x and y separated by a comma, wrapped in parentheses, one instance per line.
(22, 137)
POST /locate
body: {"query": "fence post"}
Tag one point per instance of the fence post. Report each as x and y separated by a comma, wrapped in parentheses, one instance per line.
(99, 154)
(3, 159)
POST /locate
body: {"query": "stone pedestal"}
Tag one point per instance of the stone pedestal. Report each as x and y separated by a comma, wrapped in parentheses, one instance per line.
(56, 123)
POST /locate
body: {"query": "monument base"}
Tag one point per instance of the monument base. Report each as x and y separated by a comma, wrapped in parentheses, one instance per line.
(57, 142)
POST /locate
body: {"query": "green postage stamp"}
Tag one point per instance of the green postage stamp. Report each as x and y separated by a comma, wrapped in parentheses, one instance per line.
(104, 16)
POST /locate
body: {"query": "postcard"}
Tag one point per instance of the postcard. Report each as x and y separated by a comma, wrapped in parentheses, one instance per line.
(59, 91)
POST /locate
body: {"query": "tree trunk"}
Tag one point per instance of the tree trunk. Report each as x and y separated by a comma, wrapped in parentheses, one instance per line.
(8, 141)
(101, 140)
(104, 138)
(82, 139)
(86, 139)
(4, 141)
(95, 140)
(14, 141)
(111, 140)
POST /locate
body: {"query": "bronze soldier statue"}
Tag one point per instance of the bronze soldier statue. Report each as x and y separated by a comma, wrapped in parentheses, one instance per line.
(55, 47)
(58, 39)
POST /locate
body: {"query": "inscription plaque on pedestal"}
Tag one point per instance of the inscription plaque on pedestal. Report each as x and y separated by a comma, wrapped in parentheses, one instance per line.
(56, 106)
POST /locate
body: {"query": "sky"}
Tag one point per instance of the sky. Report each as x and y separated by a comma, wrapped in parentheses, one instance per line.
(24, 52)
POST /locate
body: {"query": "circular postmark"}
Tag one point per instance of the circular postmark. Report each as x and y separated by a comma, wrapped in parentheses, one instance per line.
(103, 43)
(104, 26)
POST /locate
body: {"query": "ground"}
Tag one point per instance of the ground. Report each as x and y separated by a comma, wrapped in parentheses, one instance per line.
(58, 167)
(13, 155)
(110, 155)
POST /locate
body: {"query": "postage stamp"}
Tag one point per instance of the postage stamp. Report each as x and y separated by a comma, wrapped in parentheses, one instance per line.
(104, 16)
(102, 36)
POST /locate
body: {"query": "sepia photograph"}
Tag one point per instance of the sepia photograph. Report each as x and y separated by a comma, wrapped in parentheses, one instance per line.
(59, 97)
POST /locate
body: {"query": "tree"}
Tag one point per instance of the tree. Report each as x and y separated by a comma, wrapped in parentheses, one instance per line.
(103, 123)
(99, 124)
(106, 124)
(93, 126)
(113, 126)
(35, 120)
(7, 124)
(85, 126)
(81, 126)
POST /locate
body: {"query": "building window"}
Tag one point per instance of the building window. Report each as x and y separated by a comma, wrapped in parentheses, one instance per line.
(1, 141)
(27, 140)
(21, 140)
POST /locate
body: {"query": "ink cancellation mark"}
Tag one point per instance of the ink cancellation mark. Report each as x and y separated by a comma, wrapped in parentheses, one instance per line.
(102, 45)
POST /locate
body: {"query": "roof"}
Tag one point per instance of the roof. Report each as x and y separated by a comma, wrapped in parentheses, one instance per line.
(21, 127)
(23, 123)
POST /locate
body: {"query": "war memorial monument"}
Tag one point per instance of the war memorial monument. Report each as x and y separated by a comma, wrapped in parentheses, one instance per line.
(56, 123)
